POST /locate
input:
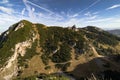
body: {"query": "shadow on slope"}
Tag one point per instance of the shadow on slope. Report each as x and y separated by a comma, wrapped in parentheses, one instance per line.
(101, 68)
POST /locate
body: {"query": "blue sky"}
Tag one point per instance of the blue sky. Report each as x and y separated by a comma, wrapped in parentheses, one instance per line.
(101, 13)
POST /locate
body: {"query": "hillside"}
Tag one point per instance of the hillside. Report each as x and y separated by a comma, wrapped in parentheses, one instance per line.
(115, 32)
(29, 51)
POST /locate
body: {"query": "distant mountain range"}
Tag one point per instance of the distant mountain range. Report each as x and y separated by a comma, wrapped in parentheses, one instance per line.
(30, 51)
(115, 32)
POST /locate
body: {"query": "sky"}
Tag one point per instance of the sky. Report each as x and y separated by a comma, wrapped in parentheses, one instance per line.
(104, 14)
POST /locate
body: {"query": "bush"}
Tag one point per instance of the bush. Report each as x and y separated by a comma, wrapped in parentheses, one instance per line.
(13, 38)
(62, 55)
(63, 67)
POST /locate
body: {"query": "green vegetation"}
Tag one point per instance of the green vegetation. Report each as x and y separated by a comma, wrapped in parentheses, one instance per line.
(56, 45)
(48, 67)
(63, 67)
(62, 55)
(91, 35)
(13, 38)
(107, 40)
(27, 78)
(60, 39)
(105, 51)
(30, 52)
(45, 77)
(102, 36)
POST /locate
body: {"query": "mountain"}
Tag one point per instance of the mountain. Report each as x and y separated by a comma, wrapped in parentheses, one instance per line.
(115, 32)
(31, 51)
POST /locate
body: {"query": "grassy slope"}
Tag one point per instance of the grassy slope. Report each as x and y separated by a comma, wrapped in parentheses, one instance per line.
(53, 37)
(13, 38)
(60, 39)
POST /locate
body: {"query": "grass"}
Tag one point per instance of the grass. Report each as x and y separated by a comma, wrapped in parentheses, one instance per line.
(45, 77)
(13, 38)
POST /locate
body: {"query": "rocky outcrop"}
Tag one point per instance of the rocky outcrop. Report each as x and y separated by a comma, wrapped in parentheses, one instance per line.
(20, 25)
(11, 68)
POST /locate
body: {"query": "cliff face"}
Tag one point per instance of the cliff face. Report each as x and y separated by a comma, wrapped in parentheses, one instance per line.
(28, 49)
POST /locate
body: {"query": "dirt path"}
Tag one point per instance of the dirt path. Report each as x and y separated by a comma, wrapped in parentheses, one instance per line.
(93, 48)
(95, 52)
(38, 49)
(105, 58)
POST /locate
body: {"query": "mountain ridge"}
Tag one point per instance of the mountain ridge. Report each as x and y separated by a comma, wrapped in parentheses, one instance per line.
(115, 32)
(30, 49)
